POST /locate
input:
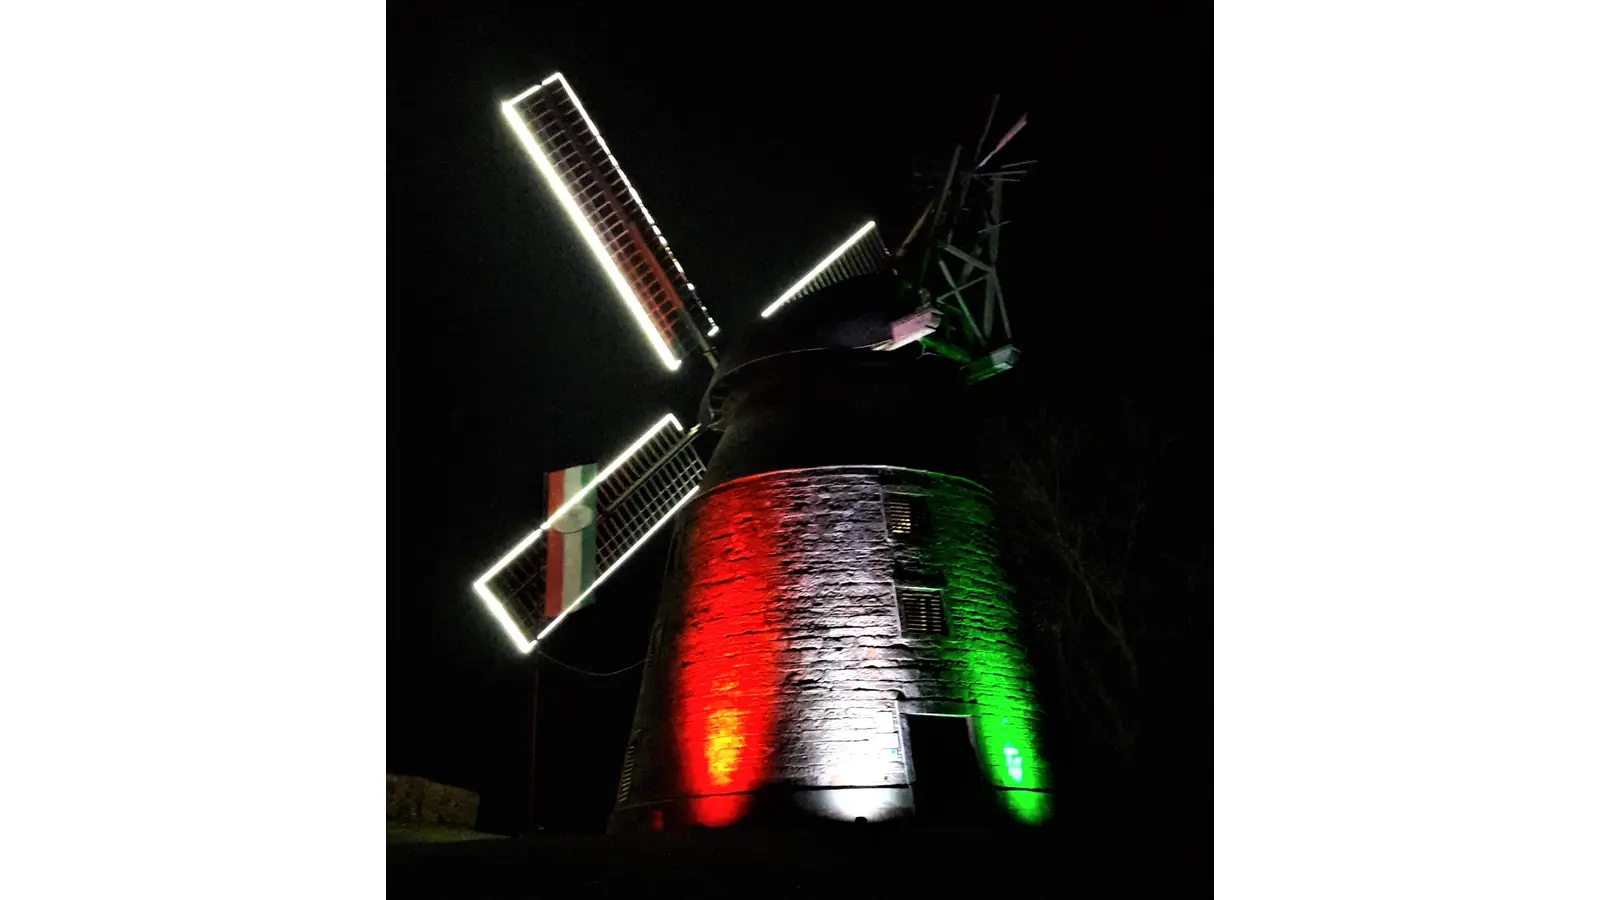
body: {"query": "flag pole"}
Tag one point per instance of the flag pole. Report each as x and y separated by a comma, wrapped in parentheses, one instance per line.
(533, 754)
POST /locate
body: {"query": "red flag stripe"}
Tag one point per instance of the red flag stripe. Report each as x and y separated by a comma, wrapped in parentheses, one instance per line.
(554, 547)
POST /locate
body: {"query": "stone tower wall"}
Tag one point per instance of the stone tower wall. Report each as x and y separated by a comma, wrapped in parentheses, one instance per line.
(784, 665)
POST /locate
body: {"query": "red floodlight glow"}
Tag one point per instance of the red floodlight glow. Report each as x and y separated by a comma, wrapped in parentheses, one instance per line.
(726, 713)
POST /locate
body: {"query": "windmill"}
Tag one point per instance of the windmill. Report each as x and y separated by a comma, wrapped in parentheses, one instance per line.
(900, 539)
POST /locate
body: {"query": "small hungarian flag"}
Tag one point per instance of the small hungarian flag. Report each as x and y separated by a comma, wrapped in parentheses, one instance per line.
(569, 569)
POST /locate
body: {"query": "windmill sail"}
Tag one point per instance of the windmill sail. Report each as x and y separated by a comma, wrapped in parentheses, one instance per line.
(605, 207)
(862, 253)
(600, 520)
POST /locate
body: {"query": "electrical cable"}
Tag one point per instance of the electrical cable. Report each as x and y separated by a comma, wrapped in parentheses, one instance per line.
(574, 668)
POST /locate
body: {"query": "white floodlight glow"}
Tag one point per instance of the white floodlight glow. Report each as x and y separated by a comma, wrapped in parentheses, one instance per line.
(568, 203)
(497, 607)
(826, 262)
(584, 597)
(850, 804)
(713, 331)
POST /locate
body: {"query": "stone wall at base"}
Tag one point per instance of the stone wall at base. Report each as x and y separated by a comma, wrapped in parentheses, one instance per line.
(419, 801)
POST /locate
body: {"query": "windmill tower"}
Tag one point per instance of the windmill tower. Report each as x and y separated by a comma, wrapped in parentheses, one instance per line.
(835, 639)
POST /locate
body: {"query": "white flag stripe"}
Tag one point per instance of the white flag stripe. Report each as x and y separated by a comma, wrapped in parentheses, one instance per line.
(572, 544)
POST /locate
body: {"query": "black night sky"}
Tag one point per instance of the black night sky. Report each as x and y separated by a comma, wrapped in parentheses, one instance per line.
(759, 139)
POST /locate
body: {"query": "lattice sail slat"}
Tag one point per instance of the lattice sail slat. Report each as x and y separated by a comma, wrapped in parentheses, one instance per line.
(632, 498)
(862, 253)
(605, 207)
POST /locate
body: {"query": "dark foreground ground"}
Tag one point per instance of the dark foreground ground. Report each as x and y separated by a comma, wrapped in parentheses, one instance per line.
(845, 862)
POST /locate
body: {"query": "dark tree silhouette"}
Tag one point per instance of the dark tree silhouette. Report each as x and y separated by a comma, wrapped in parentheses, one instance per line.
(1110, 575)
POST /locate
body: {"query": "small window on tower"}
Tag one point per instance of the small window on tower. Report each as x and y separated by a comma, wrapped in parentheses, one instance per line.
(921, 610)
(905, 514)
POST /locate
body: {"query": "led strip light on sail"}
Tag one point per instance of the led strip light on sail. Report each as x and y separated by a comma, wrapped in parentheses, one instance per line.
(583, 598)
(570, 204)
(497, 607)
(826, 262)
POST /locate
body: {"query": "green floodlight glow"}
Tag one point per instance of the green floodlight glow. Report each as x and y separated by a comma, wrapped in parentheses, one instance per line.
(1006, 722)
(1027, 807)
(826, 262)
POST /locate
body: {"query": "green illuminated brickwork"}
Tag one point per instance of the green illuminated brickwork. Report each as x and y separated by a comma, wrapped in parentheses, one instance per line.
(984, 648)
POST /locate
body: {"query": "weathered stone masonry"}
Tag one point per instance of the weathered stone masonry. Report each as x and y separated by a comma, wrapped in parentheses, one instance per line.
(781, 660)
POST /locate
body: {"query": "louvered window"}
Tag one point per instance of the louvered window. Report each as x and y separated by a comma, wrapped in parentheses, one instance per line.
(627, 771)
(906, 515)
(921, 610)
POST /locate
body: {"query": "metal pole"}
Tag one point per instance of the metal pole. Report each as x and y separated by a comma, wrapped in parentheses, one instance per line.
(938, 217)
(994, 261)
(533, 756)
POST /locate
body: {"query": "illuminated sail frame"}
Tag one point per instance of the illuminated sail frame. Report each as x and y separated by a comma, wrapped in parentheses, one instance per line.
(862, 253)
(636, 494)
(640, 491)
(602, 203)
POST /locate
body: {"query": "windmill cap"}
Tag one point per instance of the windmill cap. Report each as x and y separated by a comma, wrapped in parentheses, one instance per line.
(853, 315)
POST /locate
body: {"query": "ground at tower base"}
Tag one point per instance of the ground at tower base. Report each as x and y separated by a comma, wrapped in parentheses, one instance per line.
(841, 861)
